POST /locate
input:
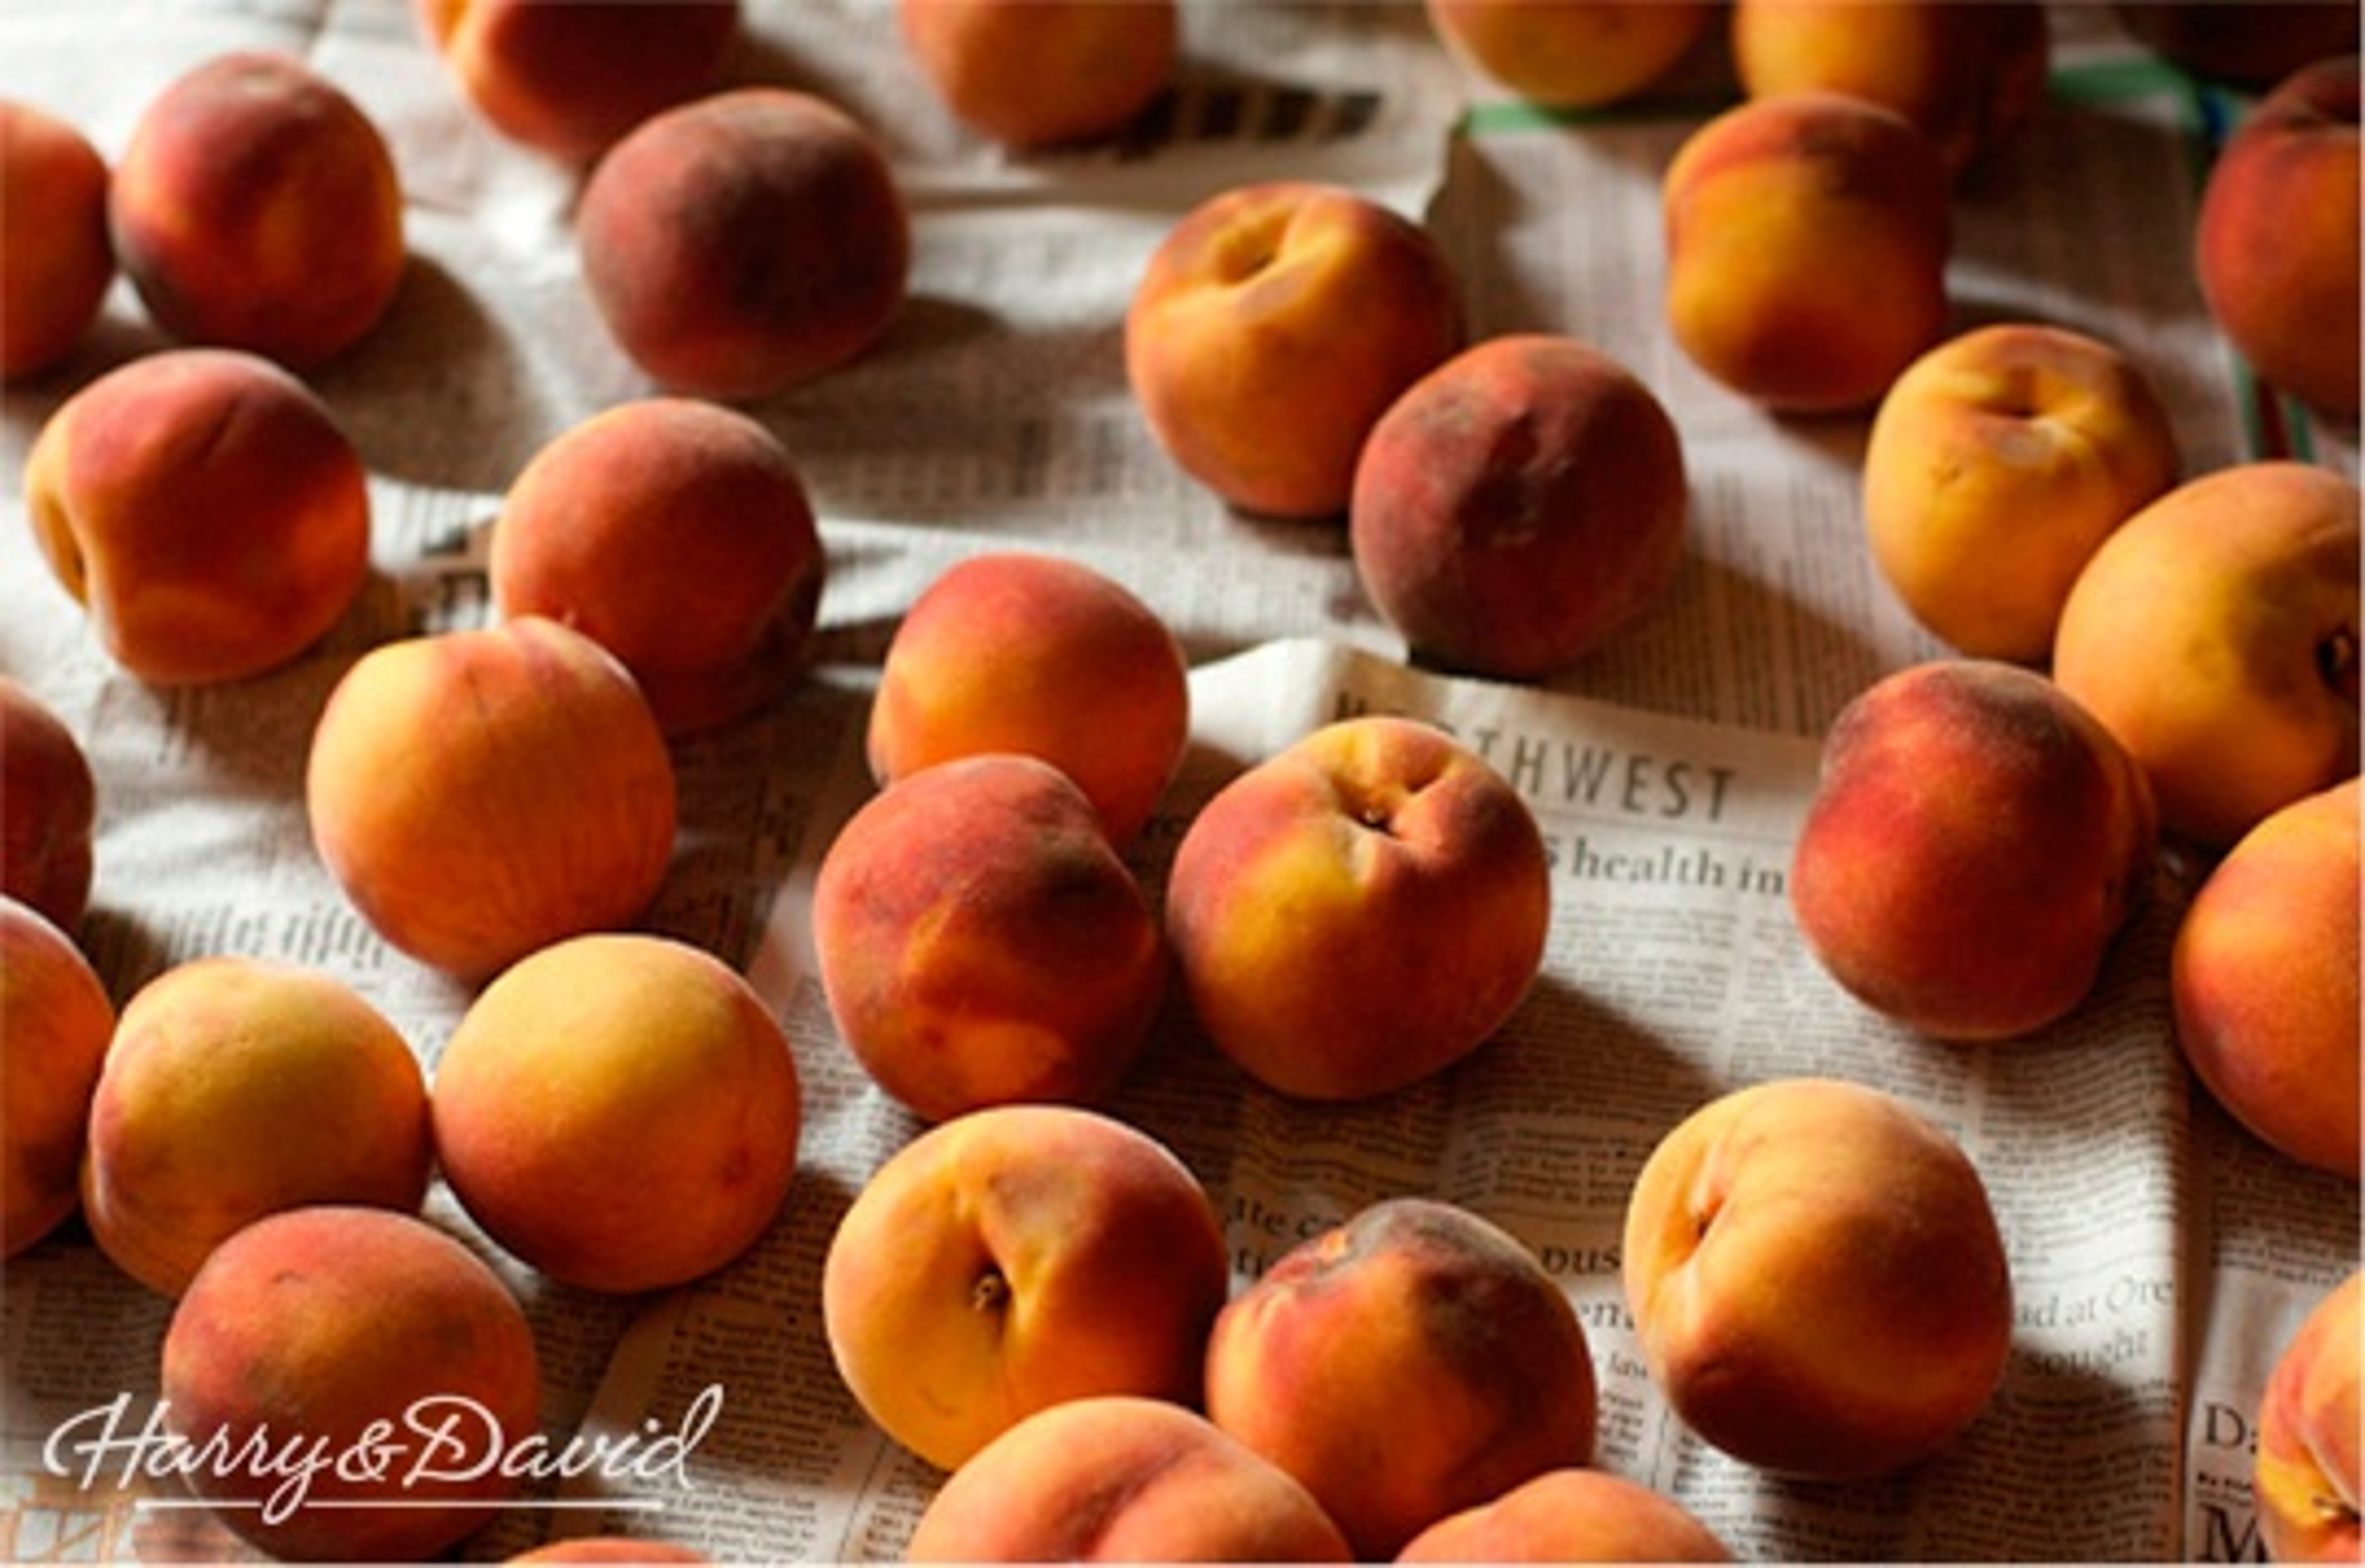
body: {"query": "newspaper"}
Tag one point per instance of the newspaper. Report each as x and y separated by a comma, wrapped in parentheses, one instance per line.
(2161, 1255)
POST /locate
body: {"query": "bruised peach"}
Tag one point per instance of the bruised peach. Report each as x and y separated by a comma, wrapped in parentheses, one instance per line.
(48, 808)
(1032, 73)
(56, 258)
(60, 1019)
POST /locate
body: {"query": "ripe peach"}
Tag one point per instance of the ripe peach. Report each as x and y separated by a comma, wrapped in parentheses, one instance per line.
(1973, 848)
(59, 1020)
(56, 258)
(48, 808)
(346, 1329)
(744, 242)
(1411, 1304)
(1997, 464)
(1359, 910)
(2264, 977)
(1573, 54)
(2309, 1476)
(569, 79)
(206, 509)
(256, 207)
(1118, 1478)
(619, 1111)
(621, 1549)
(1518, 506)
(1014, 651)
(2215, 634)
(481, 793)
(1816, 1279)
(980, 941)
(1273, 325)
(1032, 73)
(2248, 44)
(678, 535)
(1014, 1258)
(1573, 1515)
(1806, 237)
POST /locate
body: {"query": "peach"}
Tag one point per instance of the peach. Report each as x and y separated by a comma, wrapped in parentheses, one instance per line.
(48, 808)
(479, 795)
(1119, 1478)
(570, 80)
(1014, 1258)
(332, 1331)
(1975, 844)
(1034, 72)
(980, 941)
(2214, 633)
(2275, 244)
(1573, 54)
(1996, 466)
(621, 1549)
(1807, 236)
(1359, 910)
(1573, 1515)
(1015, 651)
(2309, 1475)
(2264, 979)
(677, 534)
(205, 509)
(256, 207)
(1273, 327)
(1411, 1304)
(57, 260)
(1518, 506)
(620, 1111)
(2248, 44)
(60, 1019)
(744, 242)
(1816, 1279)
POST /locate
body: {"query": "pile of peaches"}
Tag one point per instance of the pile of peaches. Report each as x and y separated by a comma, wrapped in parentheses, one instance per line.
(1031, 1294)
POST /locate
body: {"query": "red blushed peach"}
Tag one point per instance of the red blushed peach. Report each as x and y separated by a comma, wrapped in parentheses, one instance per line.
(1013, 1259)
(1518, 506)
(480, 794)
(257, 207)
(678, 535)
(2265, 979)
(1411, 1305)
(1574, 54)
(744, 242)
(48, 810)
(569, 79)
(1571, 1516)
(1270, 329)
(205, 509)
(1117, 1478)
(1359, 911)
(56, 258)
(980, 941)
(1019, 652)
(1975, 844)
(1816, 1279)
(2309, 1476)
(1032, 73)
(328, 1326)
(59, 1020)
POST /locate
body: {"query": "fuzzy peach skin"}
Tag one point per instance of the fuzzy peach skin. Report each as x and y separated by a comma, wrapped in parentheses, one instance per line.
(1519, 506)
(980, 941)
(1015, 651)
(60, 1020)
(1816, 1279)
(1359, 911)
(678, 535)
(1806, 237)
(48, 808)
(1118, 1478)
(2264, 979)
(205, 508)
(1995, 467)
(744, 242)
(1270, 329)
(56, 258)
(315, 1324)
(1574, 1515)
(1034, 72)
(1015, 1257)
(256, 207)
(2215, 634)
(620, 1111)
(1412, 1306)
(569, 79)
(479, 795)
(2275, 242)
(1974, 843)
(2309, 1474)
(1574, 54)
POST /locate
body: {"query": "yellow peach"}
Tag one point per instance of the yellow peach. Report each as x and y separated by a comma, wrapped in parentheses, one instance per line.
(1574, 54)
(60, 1019)
(1032, 73)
